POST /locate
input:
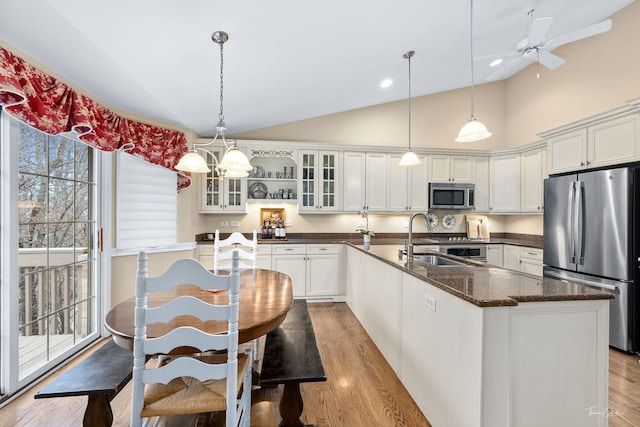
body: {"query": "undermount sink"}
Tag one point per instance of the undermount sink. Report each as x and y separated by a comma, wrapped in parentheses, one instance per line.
(439, 261)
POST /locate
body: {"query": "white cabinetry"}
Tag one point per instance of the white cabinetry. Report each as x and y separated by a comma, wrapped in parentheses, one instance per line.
(505, 183)
(495, 255)
(314, 268)
(204, 254)
(450, 168)
(220, 195)
(533, 173)
(318, 181)
(365, 181)
(481, 180)
(531, 261)
(607, 142)
(511, 257)
(407, 185)
(273, 178)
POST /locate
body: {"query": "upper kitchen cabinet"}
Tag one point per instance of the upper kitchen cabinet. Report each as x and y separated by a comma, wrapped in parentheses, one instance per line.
(365, 181)
(533, 165)
(505, 183)
(318, 181)
(598, 143)
(273, 178)
(481, 179)
(407, 190)
(450, 168)
(219, 195)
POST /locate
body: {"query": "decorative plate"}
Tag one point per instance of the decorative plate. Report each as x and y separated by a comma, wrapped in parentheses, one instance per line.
(257, 172)
(258, 191)
(448, 221)
(433, 220)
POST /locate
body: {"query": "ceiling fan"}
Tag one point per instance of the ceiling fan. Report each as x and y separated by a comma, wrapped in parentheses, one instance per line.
(535, 48)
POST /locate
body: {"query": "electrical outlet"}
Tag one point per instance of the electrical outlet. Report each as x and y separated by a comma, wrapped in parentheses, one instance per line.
(430, 302)
(224, 223)
(362, 224)
(235, 223)
(287, 223)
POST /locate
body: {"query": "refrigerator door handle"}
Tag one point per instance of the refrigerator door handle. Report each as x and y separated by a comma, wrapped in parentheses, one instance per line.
(573, 221)
(602, 283)
(580, 221)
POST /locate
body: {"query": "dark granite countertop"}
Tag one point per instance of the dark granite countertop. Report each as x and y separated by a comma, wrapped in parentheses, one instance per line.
(486, 286)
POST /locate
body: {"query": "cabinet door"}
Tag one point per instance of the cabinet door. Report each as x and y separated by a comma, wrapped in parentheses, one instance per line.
(481, 179)
(495, 255)
(512, 257)
(376, 186)
(210, 197)
(323, 273)
(307, 192)
(568, 152)
(418, 187)
(354, 181)
(234, 194)
(439, 168)
(295, 267)
(505, 183)
(614, 141)
(328, 181)
(398, 194)
(532, 181)
(531, 266)
(461, 169)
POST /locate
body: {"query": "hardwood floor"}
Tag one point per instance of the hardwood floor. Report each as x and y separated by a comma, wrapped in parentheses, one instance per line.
(361, 390)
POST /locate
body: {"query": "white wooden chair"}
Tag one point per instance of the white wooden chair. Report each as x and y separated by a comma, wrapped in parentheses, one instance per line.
(247, 249)
(192, 383)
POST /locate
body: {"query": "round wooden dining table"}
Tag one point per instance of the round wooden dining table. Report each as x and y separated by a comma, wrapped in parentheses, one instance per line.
(265, 298)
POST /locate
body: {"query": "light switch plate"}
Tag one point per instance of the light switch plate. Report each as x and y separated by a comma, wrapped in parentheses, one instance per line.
(430, 302)
(235, 223)
(224, 223)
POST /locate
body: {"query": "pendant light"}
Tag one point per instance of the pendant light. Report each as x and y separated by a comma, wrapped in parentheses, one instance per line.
(409, 158)
(473, 130)
(234, 162)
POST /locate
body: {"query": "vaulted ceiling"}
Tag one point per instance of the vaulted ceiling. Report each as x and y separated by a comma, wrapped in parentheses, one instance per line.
(286, 60)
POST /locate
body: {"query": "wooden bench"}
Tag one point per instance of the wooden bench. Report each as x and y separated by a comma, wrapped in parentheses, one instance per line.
(291, 357)
(101, 376)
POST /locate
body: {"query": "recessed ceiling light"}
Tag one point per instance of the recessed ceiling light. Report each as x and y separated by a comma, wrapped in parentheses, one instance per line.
(495, 62)
(386, 83)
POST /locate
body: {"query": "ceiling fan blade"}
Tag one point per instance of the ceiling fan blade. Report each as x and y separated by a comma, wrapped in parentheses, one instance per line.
(550, 60)
(539, 29)
(508, 67)
(503, 55)
(582, 33)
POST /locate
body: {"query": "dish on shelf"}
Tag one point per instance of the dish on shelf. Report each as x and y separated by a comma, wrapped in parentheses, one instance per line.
(448, 221)
(258, 191)
(433, 220)
(257, 172)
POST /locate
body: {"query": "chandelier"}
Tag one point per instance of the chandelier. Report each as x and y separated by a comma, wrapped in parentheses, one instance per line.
(234, 162)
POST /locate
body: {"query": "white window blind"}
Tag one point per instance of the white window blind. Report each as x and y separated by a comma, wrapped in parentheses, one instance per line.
(146, 204)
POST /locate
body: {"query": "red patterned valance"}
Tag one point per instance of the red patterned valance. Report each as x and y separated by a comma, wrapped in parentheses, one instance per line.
(51, 106)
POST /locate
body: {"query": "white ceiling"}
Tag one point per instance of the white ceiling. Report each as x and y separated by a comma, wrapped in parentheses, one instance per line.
(285, 60)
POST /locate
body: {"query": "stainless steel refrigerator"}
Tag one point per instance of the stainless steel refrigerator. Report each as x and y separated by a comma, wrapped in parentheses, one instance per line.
(590, 236)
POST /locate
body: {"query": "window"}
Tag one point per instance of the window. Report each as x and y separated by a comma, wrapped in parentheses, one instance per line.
(146, 204)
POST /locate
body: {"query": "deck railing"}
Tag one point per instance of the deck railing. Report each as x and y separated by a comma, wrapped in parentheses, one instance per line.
(54, 290)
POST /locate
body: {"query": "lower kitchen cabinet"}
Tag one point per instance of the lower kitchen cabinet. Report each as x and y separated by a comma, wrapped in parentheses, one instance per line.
(511, 257)
(495, 255)
(313, 268)
(531, 261)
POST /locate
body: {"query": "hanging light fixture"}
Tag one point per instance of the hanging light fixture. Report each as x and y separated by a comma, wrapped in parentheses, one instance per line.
(473, 130)
(409, 158)
(234, 162)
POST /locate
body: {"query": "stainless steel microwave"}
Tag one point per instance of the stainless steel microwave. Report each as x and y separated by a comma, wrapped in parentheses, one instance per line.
(447, 195)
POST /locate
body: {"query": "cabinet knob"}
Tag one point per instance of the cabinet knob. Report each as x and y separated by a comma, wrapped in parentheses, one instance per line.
(581, 163)
(588, 163)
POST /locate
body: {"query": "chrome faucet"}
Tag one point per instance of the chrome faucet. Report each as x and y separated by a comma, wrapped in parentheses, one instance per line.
(410, 243)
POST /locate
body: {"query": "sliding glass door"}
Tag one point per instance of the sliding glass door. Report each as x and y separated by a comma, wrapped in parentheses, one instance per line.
(50, 296)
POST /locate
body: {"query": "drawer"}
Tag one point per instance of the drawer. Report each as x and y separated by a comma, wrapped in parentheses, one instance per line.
(264, 249)
(531, 253)
(286, 249)
(318, 248)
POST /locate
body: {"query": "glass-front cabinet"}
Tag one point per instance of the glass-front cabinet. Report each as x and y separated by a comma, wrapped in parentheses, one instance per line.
(318, 183)
(220, 195)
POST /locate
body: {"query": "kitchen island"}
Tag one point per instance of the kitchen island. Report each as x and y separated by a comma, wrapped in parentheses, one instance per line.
(485, 346)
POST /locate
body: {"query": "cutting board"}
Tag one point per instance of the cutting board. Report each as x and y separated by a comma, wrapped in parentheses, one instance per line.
(473, 229)
(477, 226)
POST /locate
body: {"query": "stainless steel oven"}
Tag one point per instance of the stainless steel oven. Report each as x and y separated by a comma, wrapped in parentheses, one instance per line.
(475, 251)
